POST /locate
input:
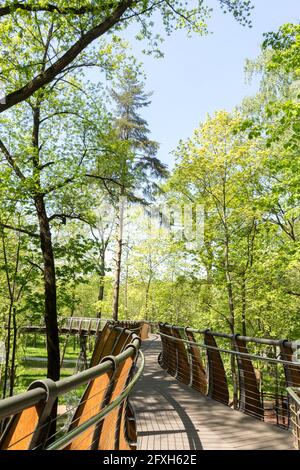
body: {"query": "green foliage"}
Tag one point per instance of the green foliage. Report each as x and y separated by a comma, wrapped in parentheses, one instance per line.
(243, 167)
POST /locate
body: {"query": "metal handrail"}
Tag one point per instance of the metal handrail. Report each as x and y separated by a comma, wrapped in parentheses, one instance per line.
(294, 395)
(267, 341)
(294, 405)
(231, 351)
(12, 405)
(67, 438)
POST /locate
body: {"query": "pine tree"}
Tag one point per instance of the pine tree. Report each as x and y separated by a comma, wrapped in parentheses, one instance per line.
(137, 166)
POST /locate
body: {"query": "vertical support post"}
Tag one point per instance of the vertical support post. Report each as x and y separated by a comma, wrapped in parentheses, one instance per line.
(217, 380)
(198, 379)
(249, 399)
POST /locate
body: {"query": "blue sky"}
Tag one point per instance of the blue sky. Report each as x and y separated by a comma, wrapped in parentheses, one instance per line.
(200, 75)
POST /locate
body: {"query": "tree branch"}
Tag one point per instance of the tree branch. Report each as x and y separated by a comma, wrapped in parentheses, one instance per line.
(18, 229)
(49, 8)
(104, 179)
(63, 216)
(49, 74)
(35, 265)
(11, 160)
(59, 185)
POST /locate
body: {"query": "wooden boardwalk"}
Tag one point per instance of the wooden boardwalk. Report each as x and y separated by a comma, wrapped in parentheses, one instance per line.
(173, 416)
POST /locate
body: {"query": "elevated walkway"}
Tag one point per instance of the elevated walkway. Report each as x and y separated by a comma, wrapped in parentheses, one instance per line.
(171, 415)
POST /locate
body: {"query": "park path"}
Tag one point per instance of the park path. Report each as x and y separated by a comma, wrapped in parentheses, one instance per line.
(172, 416)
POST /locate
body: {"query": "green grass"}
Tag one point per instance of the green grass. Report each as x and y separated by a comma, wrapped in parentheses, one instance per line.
(31, 369)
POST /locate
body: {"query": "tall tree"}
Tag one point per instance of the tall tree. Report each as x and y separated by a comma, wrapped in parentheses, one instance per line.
(42, 163)
(219, 168)
(137, 165)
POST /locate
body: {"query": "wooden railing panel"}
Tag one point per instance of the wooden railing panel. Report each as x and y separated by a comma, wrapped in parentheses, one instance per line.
(99, 345)
(250, 399)
(198, 373)
(182, 363)
(292, 372)
(21, 428)
(109, 434)
(91, 403)
(217, 383)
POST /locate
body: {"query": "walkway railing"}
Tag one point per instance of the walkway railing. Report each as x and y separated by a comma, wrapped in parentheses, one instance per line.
(103, 419)
(294, 399)
(83, 326)
(248, 374)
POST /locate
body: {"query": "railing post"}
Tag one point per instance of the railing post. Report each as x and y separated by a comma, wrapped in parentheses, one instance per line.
(182, 364)
(198, 379)
(249, 399)
(217, 380)
(29, 428)
(292, 372)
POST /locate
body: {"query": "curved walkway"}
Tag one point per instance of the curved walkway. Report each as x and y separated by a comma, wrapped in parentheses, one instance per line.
(171, 416)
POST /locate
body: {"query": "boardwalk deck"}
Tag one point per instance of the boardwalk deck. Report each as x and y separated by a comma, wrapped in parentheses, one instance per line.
(172, 416)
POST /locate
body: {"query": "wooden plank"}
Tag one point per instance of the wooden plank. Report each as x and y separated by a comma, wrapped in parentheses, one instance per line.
(173, 416)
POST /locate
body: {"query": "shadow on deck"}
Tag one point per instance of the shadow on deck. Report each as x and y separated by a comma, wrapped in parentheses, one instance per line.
(171, 416)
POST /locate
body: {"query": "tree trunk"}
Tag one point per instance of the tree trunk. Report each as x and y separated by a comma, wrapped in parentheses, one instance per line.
(126, 294)
(147, 298)
(229, 292)
(244, 326)
(101, 286)
(118, 259)
(231, 317)
(53, 371)
(7, 357)
(13, 357)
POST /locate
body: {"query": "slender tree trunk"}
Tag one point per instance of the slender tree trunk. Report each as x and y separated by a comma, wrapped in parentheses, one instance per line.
(244, 305)
(231, 316)
(53, 371)
(52, 338)
(117, 279)
(147, 298)
(7, 357)
(9, 320)
(13, 356)
(101, 285)
(229, 288)
(126, 293)
(118, 259)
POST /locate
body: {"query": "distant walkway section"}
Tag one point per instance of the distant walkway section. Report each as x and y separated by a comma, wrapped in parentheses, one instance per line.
(172, 416)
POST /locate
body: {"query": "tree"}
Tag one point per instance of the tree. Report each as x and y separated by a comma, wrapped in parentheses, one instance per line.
(68, 29)
(219, 168)
(283, 59)
(274, 114)
(40, 180)
(17, 267)
(102, 231)
(136, 164)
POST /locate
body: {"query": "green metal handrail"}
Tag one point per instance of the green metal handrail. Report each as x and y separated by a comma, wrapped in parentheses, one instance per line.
(68, 437)
(266, 341)
(41, 390)
(231, 351)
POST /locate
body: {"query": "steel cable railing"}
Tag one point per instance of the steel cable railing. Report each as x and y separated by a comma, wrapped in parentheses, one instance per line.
(32, 424)
(69, 436)
(294, 400)
(248, 374)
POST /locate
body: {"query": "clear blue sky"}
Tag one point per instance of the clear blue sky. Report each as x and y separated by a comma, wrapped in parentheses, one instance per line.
(200, 75)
